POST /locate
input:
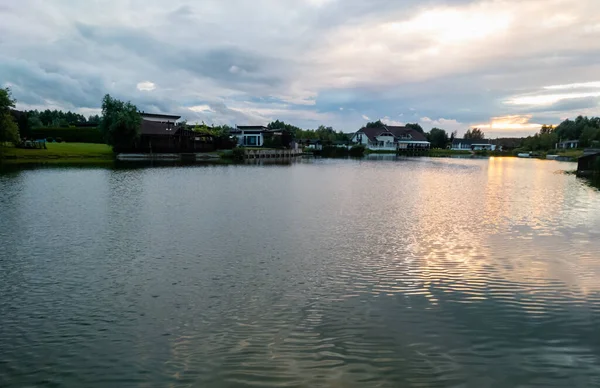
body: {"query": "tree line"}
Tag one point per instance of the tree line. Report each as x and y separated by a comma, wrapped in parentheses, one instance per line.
(585, 130)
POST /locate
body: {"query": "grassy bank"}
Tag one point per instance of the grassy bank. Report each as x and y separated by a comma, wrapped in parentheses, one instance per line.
(59, 152)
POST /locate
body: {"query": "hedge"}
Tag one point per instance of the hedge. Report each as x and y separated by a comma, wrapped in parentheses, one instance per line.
(69, 135)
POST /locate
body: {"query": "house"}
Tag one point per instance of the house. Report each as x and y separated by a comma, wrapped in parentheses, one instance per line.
(160, 133)
(589, 162)
(568, 144)
(472, 145)
(250, 135)
(391, 138)
(313, 144)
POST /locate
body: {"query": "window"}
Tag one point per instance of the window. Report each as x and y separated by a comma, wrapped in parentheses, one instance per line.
(251, 140)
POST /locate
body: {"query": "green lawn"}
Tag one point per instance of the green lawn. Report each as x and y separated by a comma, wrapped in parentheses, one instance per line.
(572, 153)
(59, 151)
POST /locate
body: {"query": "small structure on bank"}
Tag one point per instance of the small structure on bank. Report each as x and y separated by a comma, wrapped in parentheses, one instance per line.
(162, 134)
(568, 144)
(473, 145)
(589, 163)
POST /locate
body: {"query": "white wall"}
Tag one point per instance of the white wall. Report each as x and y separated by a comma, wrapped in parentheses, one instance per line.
(365, 139)
(476, 147)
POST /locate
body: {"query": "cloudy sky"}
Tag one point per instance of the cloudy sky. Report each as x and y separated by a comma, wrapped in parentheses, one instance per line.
(504, 65)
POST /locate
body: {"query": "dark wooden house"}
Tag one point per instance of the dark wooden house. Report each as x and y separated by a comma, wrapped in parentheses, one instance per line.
(589, 163)
(161, 134)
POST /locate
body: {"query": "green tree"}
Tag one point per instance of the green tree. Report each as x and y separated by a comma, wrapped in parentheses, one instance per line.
(9, 131)
(120, 123)
(416, 127)
(474, 133)
(375, 124)
(24, 124)
(589, 135)
(438, 138)
(94, 119)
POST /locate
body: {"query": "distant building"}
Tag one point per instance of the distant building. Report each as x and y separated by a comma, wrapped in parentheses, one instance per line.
(568, 144)
(472, 145)
(250, 135)
(390, 138)
(160, 133)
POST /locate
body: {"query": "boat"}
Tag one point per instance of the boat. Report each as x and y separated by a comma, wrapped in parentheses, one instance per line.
(524, 155)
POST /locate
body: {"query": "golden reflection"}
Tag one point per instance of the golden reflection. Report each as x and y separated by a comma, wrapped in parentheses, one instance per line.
(488, 224)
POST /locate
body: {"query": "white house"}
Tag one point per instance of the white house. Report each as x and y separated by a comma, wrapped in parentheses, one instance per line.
(391, 138)
(472, 145)
(568, 144)
(250, 135)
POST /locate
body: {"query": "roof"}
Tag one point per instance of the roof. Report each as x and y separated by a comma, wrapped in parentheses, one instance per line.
(252, 127)
(397, 131)
(591, 155)
(159, 116)
(414, 134)
(240, 128)
(471, 141)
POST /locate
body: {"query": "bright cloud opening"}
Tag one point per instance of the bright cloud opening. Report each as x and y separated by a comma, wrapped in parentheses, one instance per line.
(200, 109)
(146, 86)
(514, 122)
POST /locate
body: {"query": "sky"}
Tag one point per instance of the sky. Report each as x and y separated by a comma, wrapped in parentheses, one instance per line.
(506, 66)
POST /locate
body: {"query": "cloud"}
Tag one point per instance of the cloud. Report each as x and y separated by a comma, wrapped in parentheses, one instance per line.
(146, 86)
(458, 63)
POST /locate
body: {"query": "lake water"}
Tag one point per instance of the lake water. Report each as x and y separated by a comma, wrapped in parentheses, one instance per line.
(323, 273)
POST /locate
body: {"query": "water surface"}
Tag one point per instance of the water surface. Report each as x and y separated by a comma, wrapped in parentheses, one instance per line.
(324, 273)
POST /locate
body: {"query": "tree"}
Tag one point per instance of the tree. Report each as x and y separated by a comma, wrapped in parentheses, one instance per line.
(94, 119)
(295, 131)
(24, 124)
(375, 124)
(9, 131)
(589, 135)
(438, 138)
(416, 127)
(474, 133)
(120, 123)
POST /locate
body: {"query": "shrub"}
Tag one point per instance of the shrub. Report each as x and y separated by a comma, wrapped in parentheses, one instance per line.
(238, 153)
(357, 150)
(49, 140)
(58, 140)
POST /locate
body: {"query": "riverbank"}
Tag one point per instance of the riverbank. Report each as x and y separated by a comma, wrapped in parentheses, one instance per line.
(59, 152)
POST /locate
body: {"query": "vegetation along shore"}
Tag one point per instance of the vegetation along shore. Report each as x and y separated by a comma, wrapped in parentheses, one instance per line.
(52, 136)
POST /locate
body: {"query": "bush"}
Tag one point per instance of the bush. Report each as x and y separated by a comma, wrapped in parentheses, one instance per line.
(70, 135)
(58, 140)
(49, 140)
(238, 153)
(357, 150)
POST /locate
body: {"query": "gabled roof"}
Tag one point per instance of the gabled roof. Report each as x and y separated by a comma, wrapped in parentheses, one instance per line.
(472, 141)
(372, 133)
(396, 131)
(414, 134)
